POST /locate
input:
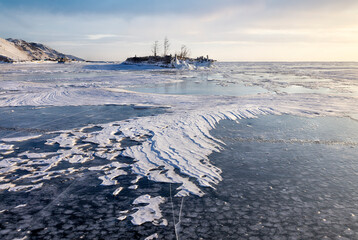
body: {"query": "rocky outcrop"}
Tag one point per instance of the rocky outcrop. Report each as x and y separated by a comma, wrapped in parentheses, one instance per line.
(5, 59)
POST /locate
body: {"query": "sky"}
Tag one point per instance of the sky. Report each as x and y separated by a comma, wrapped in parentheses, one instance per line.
(226, 30)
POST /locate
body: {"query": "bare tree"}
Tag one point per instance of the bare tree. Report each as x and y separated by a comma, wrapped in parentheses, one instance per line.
(166, 46)
(155, 48)
(184, 52)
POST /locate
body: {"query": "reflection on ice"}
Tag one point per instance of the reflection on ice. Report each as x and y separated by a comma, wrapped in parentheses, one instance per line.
(201, 88)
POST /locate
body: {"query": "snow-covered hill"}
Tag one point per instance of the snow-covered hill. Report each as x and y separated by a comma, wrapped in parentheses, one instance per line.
(15, 50)
(9, 51)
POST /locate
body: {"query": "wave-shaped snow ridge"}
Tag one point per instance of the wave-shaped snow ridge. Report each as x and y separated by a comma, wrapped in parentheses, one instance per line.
(181, 142)
(169, 142)
(173, 148)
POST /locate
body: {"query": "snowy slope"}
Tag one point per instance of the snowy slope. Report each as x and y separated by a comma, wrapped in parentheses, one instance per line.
(20, 50)
(10, 51)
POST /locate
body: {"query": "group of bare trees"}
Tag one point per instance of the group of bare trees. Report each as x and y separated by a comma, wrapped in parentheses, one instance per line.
(155, 48)
(166, 46)
(184, 51)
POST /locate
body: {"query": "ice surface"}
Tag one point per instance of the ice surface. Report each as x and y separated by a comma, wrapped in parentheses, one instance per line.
(171, 147)
(279, 190)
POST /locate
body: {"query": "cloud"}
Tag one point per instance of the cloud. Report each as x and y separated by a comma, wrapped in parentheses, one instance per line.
(100, 36)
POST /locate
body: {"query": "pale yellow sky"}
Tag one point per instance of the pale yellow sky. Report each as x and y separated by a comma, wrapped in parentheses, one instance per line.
(228, 30)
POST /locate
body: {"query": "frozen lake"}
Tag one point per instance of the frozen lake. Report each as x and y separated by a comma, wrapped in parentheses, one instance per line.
(238, 151)
(281, 180)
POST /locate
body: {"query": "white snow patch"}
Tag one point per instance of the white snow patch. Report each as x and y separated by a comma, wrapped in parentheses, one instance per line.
(111, 171)
(121, 218)
(20, 139)
(21, 205)
(108, 179)
(36, 155)
(136, 179)
(64, 139)
(5, 147)
(109, 166)
(6, 186)
(117, 191)
(77, 159)
(27, 188)
(148, 213)
(151, 237)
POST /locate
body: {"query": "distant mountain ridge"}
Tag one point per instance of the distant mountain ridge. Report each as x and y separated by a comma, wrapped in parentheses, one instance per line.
(17, 50)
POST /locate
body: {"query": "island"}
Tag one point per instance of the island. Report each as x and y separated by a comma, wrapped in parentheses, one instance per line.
(170, 61)
(180, 60)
